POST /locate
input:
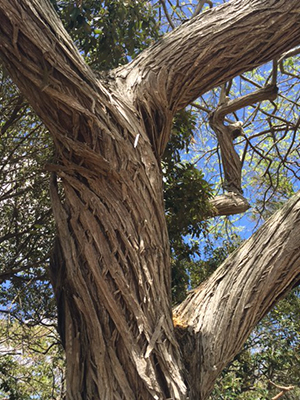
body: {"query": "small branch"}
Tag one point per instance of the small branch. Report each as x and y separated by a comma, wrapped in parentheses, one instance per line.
(163, 3)
(274, 73)
(232, 164)
(283, 389)
(283, 71)
(223, 96)
(266, 93)
(15, 115)
(290, 53)
(200, 5)
(201, 108)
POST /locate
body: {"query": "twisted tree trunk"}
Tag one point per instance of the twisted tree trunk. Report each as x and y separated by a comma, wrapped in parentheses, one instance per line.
(111, 269)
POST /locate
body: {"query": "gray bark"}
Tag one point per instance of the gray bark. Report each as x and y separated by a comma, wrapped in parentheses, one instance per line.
(229, 204)
(205, 52)
(218, 316)
(111, 270)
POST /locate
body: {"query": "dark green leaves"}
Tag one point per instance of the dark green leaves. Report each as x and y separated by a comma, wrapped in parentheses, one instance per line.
(109, 33)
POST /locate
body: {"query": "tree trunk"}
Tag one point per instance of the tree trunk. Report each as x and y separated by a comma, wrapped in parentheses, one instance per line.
(114, 295)
(111, 269)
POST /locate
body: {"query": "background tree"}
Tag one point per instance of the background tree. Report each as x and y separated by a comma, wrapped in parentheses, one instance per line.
(216, 122)
(31, 366)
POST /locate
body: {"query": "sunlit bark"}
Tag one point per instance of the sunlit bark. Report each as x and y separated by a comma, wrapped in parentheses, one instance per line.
(111, 269)
(218, 317)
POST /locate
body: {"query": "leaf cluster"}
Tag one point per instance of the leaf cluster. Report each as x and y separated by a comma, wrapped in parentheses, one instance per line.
(31, 362)
(187, 196)
(27, 227)
(109, 33)
(186, 191)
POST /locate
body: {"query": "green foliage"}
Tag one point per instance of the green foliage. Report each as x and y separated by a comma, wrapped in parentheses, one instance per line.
(26, 229)
(180, 279)
(187, 196)
(275, 191)
(110, 32)
(186, 191)
(184, 126)
(32, 364)
(193, 267)
(201, 269)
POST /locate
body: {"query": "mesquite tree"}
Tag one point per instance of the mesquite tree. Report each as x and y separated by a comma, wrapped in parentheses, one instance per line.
(110, 266)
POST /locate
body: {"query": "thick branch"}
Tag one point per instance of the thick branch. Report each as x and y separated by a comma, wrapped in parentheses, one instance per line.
(48, 69)
(217, 318)
(203, 53)
(229, 204)
(218, 45)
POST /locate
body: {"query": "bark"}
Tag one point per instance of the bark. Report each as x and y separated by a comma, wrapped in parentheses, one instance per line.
(205, 52)
(226, 134)
(217, 317)
(229, 204)
(111, 269)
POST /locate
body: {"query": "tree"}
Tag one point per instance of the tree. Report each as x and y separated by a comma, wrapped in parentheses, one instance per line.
(110, 267)
(31, 363)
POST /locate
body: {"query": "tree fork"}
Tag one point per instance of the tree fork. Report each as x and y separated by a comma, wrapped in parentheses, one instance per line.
(119, 337)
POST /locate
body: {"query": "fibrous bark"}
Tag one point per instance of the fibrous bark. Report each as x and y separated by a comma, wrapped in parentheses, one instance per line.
(229, 204)
(235, 298)
(111, 275)
(111, 272)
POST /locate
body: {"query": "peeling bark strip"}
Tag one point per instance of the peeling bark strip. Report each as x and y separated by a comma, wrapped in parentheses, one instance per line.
(111, 273)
